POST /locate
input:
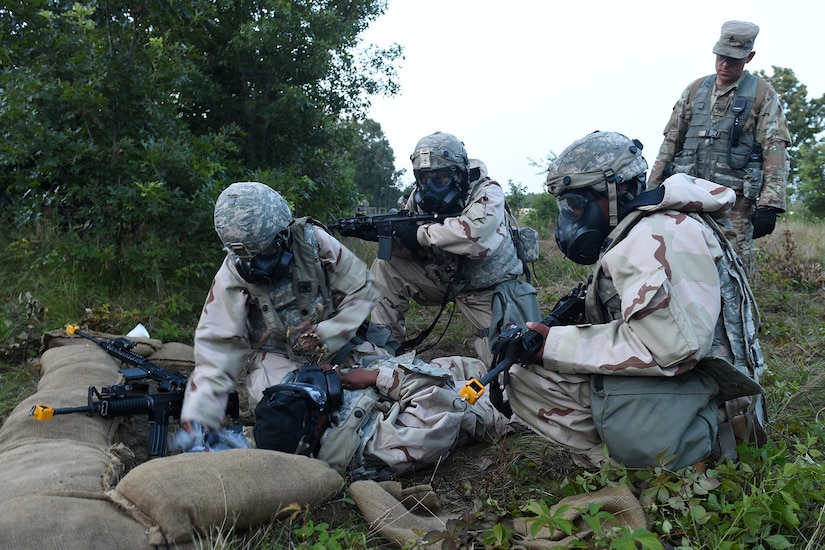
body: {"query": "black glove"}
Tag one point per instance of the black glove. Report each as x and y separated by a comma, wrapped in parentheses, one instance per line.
(407, 236)
(764, 221)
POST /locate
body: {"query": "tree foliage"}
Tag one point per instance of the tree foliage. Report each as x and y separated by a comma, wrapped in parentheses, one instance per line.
(375, 175)
(123, 121)
(806, 123)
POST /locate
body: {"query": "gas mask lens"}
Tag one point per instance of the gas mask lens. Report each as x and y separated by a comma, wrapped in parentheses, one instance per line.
(434, 177)
(572, 206)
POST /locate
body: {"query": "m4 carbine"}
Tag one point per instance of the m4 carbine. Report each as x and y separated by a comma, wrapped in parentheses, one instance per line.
(382, 229)
(515, 345)
(119, 400)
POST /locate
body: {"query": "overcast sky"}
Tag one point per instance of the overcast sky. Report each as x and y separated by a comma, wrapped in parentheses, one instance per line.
(517, 79)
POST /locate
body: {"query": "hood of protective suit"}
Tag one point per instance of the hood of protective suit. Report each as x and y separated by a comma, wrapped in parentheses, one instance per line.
(688, 194)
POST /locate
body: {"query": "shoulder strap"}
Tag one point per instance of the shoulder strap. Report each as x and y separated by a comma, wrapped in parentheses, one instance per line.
(706, 81)
(512, 225)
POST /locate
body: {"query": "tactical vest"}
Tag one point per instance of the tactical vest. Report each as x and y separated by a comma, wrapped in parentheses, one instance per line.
(303, 297)
(477, 273)
(708, 151)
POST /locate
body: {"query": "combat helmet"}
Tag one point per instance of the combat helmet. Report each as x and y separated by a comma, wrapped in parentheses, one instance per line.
(440, 150)
(249, 216)
(599, 161)
(441, 169)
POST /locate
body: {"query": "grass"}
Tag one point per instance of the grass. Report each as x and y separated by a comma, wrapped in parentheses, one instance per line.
(774, 498)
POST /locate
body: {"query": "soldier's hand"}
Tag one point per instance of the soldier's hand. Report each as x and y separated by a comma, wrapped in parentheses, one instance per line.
(356, 379)
(409, 237)
(544, 330)
(764, 221)
(303, 337)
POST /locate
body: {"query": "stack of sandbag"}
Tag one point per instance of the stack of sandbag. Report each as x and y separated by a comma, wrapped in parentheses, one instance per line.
(64, 482)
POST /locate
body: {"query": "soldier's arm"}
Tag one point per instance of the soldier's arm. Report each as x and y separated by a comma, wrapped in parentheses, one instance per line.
(674, 139)
(772, 132)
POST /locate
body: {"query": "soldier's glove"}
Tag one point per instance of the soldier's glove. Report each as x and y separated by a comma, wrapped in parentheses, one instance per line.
(408, 237)
(764, 221)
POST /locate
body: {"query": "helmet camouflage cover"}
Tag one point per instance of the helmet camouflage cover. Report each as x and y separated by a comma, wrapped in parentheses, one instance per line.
(440, 150)
(595, 160)
(248, 217)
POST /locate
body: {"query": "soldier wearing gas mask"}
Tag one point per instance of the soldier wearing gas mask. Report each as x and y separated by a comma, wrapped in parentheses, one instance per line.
(469, 257)
(668, 349)
(286, 294)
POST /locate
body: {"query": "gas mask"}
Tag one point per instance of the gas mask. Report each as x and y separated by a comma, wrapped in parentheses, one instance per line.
(269, 267)
(582, 227)
(440, 191)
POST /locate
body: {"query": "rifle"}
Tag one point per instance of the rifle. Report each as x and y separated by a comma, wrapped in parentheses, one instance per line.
(514, 345)
(382, 229)
(118, 399)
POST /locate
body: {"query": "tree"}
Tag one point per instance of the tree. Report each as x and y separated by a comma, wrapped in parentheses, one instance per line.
(124, 120)
(375, 175)
(517, 197)
(806, 122)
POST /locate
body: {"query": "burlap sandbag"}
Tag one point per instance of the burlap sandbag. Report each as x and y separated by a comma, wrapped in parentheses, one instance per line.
(58, 467)
(618, 501)
(66, 523)
(175, 356)
(59, 338)
(179, 497)
(77, 367)
(20, 427)
(388, 512)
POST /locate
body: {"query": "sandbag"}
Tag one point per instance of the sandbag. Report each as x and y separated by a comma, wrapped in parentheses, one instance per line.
(77, 367)
(58, 467)
(179, 497)
(90, 357)
(20, 427)
(59, 338)
(50, 522)
(175, 356)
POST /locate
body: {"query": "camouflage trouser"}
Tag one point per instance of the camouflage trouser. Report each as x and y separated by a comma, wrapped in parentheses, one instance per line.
(740, 234)
(402, 280)
(557, 407)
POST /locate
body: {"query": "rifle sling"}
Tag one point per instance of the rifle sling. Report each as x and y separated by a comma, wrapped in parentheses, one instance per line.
(449, 296)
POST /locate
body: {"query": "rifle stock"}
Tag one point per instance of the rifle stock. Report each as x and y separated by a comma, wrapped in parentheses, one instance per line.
(382, 229)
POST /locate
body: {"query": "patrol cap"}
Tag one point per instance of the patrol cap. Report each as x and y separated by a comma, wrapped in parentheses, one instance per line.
(737, 39)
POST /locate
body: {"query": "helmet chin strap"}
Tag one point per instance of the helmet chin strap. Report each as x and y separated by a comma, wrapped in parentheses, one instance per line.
(613, 200)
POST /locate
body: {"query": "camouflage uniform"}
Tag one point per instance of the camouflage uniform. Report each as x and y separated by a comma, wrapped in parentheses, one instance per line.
(654, 311)
(232, 333)
(765, 124)
(413, 417)
(480, 236)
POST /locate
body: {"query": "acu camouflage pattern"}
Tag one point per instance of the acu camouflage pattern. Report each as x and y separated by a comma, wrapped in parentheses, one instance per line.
(654, 310)
(737, 39)
(589, 161)
(768, 126)
(229, 332)
(248, 216)
(411, 419)
(440, 150)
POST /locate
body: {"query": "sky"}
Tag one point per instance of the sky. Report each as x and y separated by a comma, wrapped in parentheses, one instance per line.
(517, 80)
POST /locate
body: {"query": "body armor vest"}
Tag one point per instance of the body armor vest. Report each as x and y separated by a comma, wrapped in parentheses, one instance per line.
(723, 152)
(479, 273)
(304, 296)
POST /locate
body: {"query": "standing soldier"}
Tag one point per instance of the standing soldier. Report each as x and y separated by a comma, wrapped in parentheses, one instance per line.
(730, 128)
